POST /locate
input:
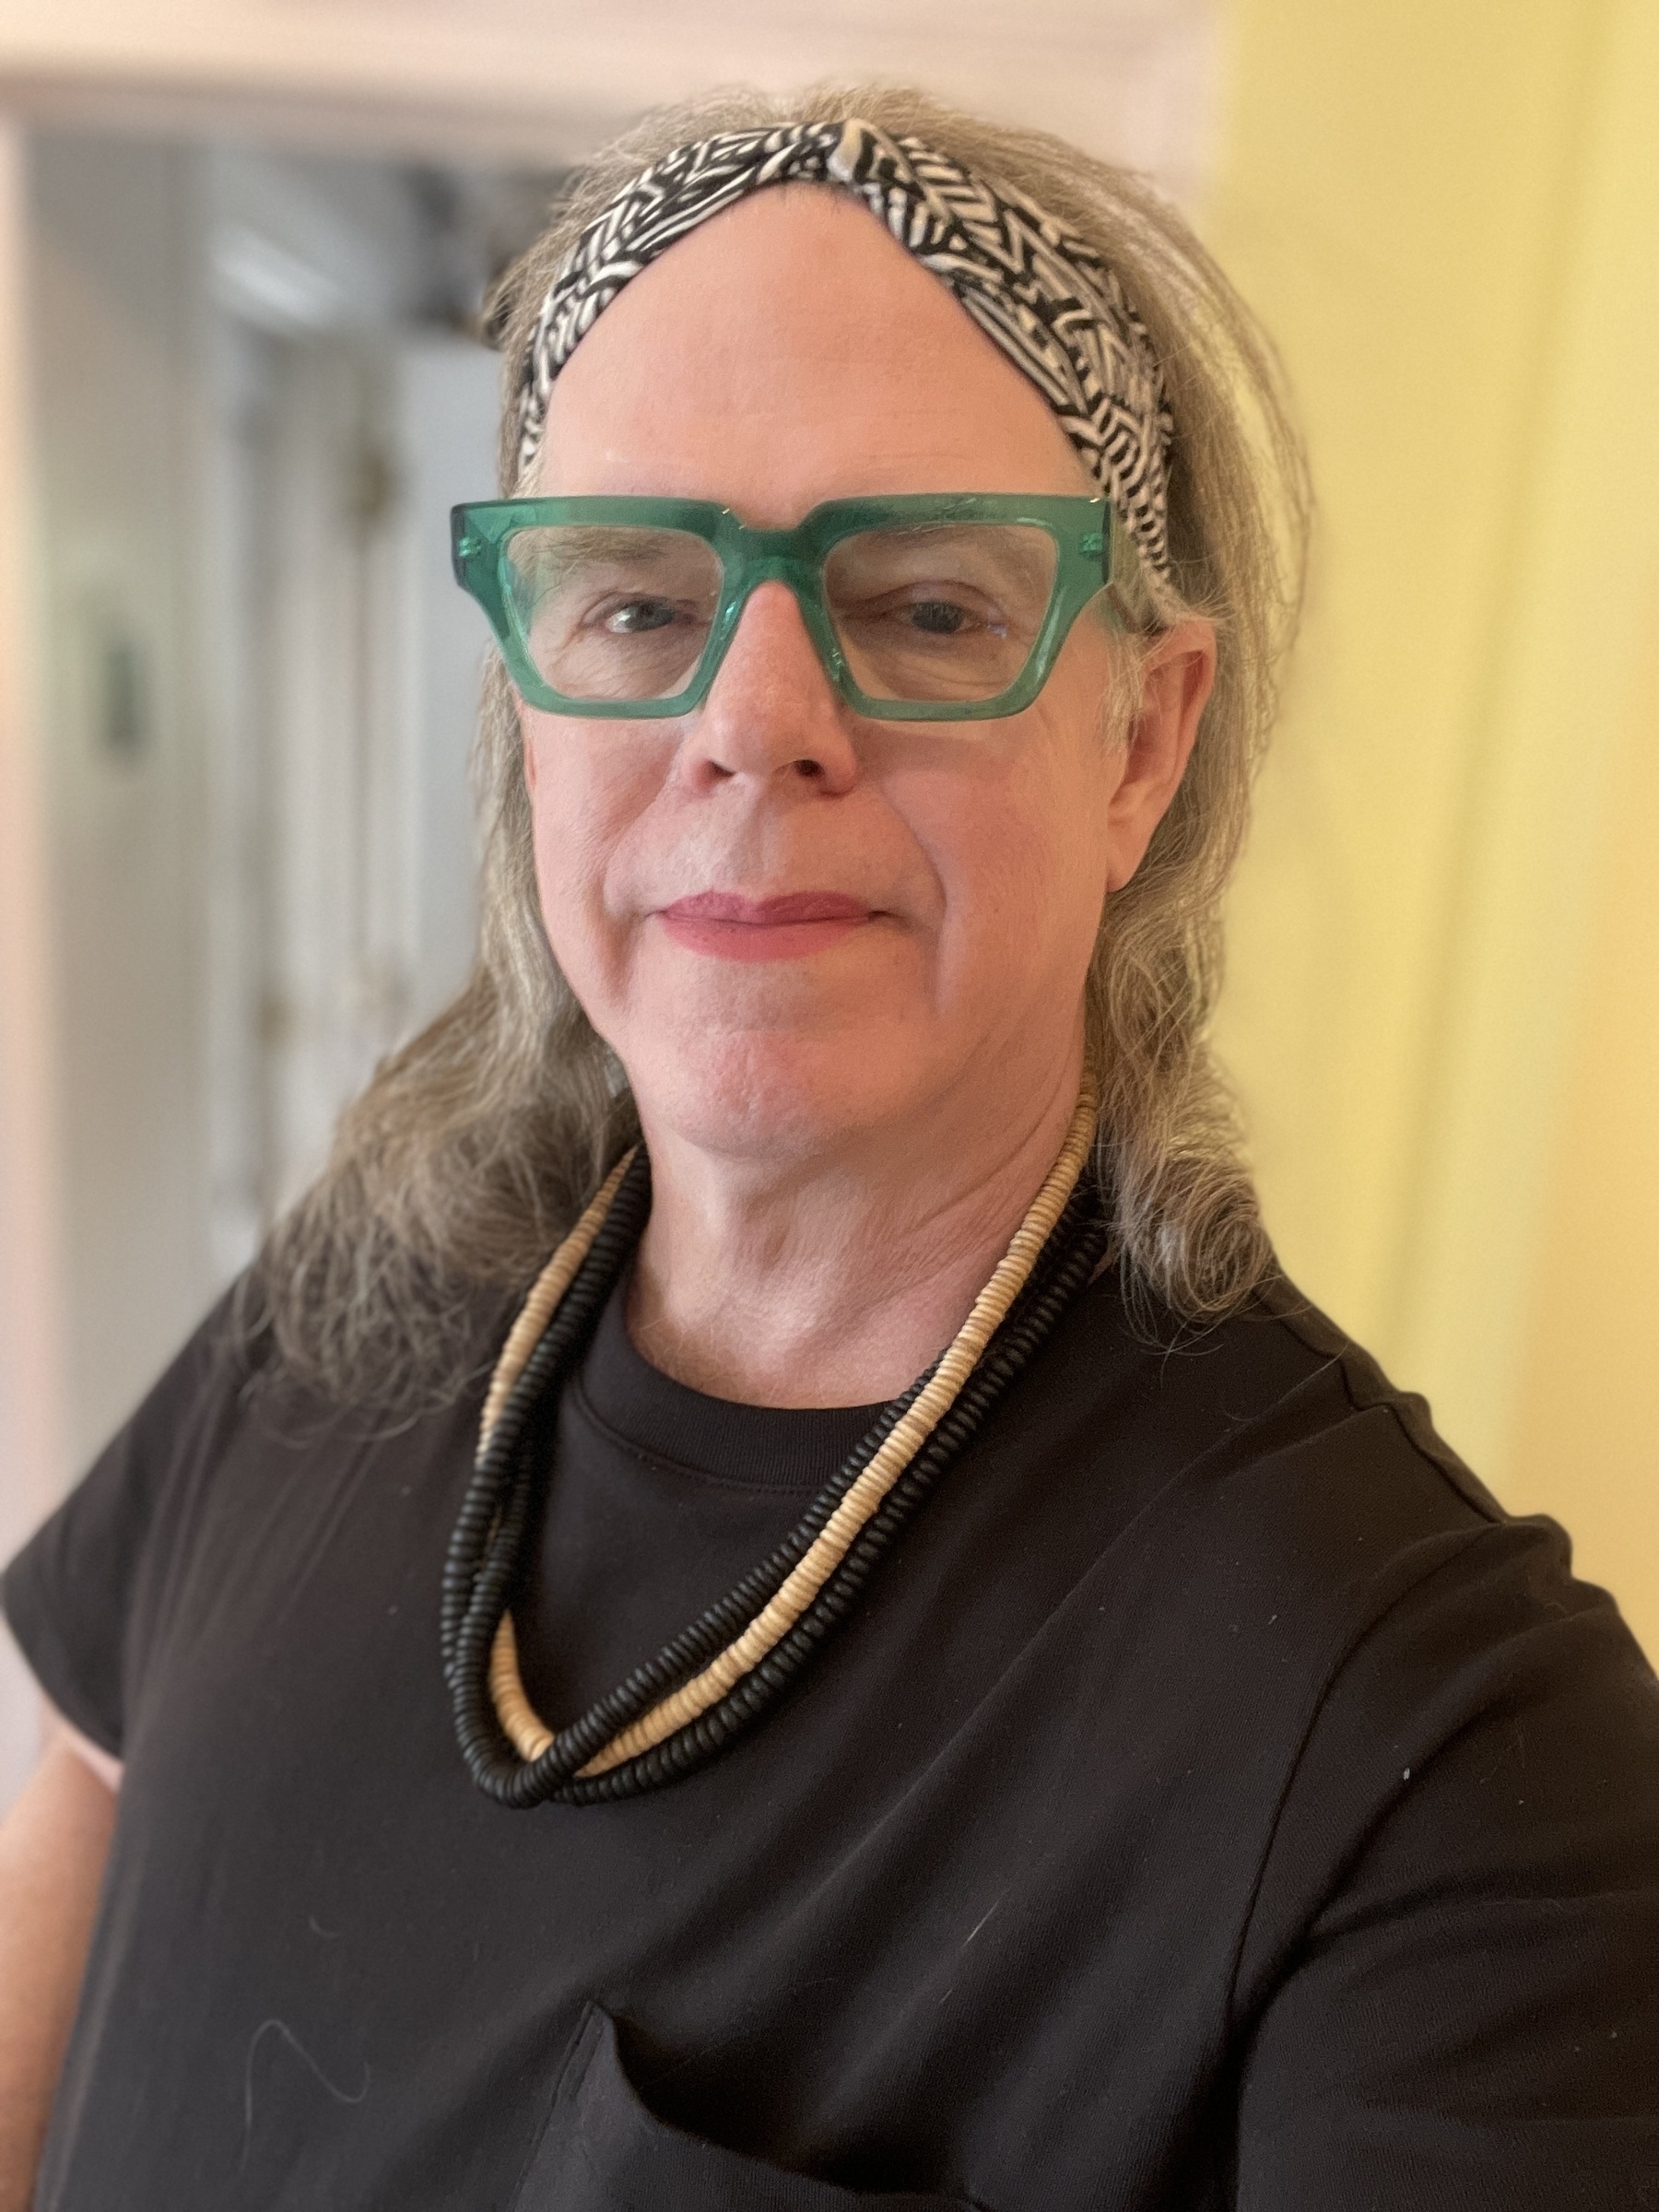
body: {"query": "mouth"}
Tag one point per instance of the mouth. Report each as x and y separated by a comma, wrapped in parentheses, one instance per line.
(725, 926)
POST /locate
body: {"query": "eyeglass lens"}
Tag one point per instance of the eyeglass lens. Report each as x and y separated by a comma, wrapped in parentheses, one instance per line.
(950, 612)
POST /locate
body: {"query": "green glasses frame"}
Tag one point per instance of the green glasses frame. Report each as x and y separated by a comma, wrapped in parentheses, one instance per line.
(1081, 531)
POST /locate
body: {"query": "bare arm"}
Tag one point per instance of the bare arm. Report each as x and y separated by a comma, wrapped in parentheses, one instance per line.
(53, 1848)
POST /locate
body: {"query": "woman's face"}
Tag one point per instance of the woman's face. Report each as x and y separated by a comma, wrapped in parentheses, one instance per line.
(943, 880)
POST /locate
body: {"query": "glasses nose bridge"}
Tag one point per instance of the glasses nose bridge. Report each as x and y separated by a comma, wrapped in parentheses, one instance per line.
(775, 557)
(780, 557)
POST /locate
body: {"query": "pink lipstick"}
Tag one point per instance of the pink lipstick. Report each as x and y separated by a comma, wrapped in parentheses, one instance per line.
(729, 927)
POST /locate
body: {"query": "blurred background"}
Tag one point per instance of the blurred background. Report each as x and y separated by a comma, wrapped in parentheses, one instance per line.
(241, 245)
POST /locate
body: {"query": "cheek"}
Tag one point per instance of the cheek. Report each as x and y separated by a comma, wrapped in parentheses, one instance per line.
(1018, 838)
(586, 799)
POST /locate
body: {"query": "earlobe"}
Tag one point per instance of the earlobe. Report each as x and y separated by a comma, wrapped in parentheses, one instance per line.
(528, 753)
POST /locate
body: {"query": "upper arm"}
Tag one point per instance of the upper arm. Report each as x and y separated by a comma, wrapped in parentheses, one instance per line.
(54, 1846)
(57, 1834)
(103, 1764)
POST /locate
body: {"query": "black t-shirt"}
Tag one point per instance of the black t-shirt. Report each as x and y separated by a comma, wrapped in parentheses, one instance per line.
(1214, 1801)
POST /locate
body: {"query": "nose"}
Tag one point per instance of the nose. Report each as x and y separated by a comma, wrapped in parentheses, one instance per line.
(772, 711)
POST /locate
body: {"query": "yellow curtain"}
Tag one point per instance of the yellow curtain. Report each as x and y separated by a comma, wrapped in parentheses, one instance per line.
(1445, 983)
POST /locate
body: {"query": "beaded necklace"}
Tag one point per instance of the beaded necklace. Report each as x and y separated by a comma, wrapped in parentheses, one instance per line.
(718, 1675)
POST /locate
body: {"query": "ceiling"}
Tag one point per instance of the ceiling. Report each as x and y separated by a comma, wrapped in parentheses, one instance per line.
(542, 80)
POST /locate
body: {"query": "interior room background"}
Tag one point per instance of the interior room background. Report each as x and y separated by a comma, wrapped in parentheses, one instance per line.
(240, 247)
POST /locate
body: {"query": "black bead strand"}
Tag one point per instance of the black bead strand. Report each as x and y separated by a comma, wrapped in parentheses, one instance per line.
(482, 1568)
(701, 1739)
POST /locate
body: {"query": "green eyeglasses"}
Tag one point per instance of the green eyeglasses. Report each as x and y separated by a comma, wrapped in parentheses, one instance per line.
(929, 608)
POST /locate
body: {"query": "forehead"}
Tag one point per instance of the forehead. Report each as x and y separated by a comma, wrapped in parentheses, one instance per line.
(787, 351)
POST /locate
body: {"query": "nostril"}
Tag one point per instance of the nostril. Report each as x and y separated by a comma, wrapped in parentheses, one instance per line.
(808, 768)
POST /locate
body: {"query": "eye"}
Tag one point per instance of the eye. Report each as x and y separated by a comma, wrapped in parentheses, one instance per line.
(629, 617)
(938, 617)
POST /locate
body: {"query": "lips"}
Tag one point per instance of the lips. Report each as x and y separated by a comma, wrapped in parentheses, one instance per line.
(723, 926)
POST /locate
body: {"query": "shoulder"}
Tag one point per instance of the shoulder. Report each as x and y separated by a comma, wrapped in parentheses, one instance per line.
(1296, 1518)
(1272, 1425)
(1261, 1497)
(1279, 1556)
(228, 1458)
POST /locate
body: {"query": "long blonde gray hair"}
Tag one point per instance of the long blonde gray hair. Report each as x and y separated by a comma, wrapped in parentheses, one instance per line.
(473, 1147)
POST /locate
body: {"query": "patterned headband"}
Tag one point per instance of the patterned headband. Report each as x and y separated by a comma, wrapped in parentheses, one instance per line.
(1037, 289)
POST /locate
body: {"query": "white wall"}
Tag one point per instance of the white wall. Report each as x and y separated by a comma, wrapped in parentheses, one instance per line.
(100, 1209)
(32, 1453)
(116, 327)
(241, 796)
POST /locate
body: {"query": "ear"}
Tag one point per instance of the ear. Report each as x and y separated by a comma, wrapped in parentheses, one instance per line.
(1177, 678)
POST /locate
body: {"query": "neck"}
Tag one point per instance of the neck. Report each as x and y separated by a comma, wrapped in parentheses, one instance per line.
(835, 1280)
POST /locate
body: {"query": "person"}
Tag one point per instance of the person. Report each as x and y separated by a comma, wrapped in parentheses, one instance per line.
(766, 1597)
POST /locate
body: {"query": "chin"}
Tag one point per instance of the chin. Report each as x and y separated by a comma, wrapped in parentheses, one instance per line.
(776, 1096)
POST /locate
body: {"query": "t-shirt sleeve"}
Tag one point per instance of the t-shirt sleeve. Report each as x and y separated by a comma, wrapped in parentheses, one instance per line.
(81, 1596)
(1451, 1981)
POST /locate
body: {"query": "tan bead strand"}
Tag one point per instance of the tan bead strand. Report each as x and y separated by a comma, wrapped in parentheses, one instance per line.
(547, 1290)
(523, 1726)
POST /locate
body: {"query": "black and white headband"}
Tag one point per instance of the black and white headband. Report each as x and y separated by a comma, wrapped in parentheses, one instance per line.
(1037, 289)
